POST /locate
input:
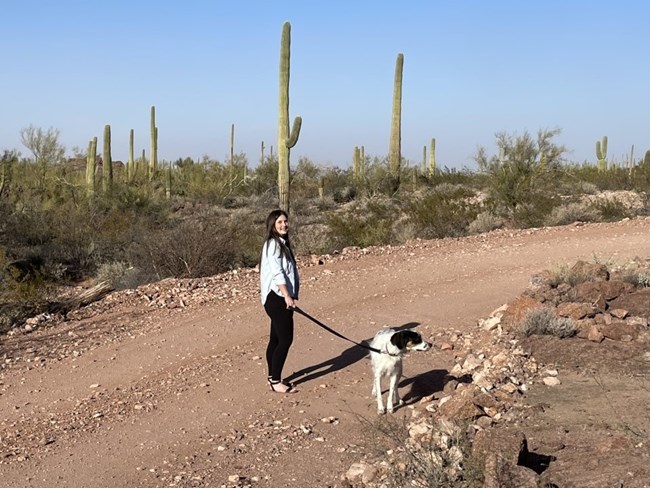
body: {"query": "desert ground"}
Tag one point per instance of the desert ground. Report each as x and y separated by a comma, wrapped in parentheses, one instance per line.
(166, 385)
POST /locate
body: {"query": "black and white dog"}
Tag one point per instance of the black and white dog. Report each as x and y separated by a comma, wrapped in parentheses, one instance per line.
(393, 345)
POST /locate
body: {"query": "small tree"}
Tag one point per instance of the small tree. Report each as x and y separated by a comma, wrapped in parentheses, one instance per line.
(45, 147)
(521, 184)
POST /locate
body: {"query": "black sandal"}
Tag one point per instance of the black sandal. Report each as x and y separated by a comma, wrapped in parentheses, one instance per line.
(290, 388)
(269, 380)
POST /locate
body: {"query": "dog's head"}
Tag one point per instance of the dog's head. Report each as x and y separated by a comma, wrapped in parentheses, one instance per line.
(409, 340)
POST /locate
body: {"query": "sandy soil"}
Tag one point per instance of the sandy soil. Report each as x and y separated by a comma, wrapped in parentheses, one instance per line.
(143, 396)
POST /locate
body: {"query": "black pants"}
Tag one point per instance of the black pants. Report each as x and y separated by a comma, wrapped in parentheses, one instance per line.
(281, 335)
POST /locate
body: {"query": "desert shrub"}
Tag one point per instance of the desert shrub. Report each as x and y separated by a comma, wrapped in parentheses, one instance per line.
(312, 239)
(455, 176)
(442, 211)
(363, 223)
(614, 178)
(441, 459)
(25, 290)
(485, 222)
(572, 212)
(611, 209)
(636, 272)
(544, 321)
(192, 248)
(638, 279)
(565, 274)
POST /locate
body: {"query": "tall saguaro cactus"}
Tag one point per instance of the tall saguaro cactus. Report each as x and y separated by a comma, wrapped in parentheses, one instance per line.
(356, 164)
(286, 138)
(432, 158)
(91, 165)
(153, 158)
(395, 149)
(601, 153)
(231, 171)
(130, 164)
(107, 161)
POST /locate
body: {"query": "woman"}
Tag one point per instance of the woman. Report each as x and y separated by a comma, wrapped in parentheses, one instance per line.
(279, 285)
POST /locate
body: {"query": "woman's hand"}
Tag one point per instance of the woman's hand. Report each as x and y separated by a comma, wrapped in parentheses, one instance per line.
(289, 301)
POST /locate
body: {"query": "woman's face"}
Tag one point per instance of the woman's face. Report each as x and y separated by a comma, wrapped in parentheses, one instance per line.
(282, 225)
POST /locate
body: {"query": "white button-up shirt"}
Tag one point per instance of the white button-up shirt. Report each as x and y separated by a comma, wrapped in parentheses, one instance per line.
(276, 270)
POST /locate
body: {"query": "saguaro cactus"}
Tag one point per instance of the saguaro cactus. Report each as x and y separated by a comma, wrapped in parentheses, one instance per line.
(91, 166)
(395, 150)
(601, 153)
(423, 166)
(286, 138)
(153, 159)
(356, 164)
(231, 169)
(168, 182)
(107, 161)
(432, 158)
(130, 164)
(646, 158)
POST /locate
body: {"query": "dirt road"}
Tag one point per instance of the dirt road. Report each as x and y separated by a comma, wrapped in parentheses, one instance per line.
(146, 396)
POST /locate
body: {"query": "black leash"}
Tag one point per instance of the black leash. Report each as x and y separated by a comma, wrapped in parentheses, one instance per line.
(332, 331)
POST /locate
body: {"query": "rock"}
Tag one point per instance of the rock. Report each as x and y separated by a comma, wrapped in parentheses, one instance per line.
(594, 334)
(593, 291)
(590, 272)
(518, 309)
(619, 313)
(551, 381)
(460, 406)
(620, 331)
(637, 321)
(636, 303)
(356, 471)
(511, 445)
(575, 310)
(471, 363)
(490, 323)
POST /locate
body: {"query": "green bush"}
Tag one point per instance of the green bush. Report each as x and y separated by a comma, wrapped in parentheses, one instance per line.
(522, 179)
(363, 223)
(443, 211)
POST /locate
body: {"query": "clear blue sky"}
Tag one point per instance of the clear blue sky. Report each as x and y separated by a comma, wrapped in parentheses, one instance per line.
(471, 69)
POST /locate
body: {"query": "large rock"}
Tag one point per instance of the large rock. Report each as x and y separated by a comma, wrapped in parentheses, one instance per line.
(636, 303)
(461, 406)
(518, 309)
(593, 291)
(590, 271)
(510, 445)
(620, 331)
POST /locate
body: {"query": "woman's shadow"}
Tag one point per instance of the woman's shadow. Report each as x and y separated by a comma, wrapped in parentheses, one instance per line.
(346, 358)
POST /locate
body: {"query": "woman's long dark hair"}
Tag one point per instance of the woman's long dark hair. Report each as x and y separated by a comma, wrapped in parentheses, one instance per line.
(271, 233)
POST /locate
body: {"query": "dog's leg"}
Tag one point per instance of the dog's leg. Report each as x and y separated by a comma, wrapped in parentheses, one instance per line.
(397, 401)
(376, 390)
(392, 393)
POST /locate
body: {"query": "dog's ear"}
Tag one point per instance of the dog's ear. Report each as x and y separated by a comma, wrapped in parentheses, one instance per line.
(400, 339)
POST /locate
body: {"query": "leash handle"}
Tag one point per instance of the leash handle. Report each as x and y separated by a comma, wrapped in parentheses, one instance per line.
(332, 331)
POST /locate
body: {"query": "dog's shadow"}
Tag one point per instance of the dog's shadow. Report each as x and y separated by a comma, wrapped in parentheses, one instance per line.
(423, 385)
(343, 360)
